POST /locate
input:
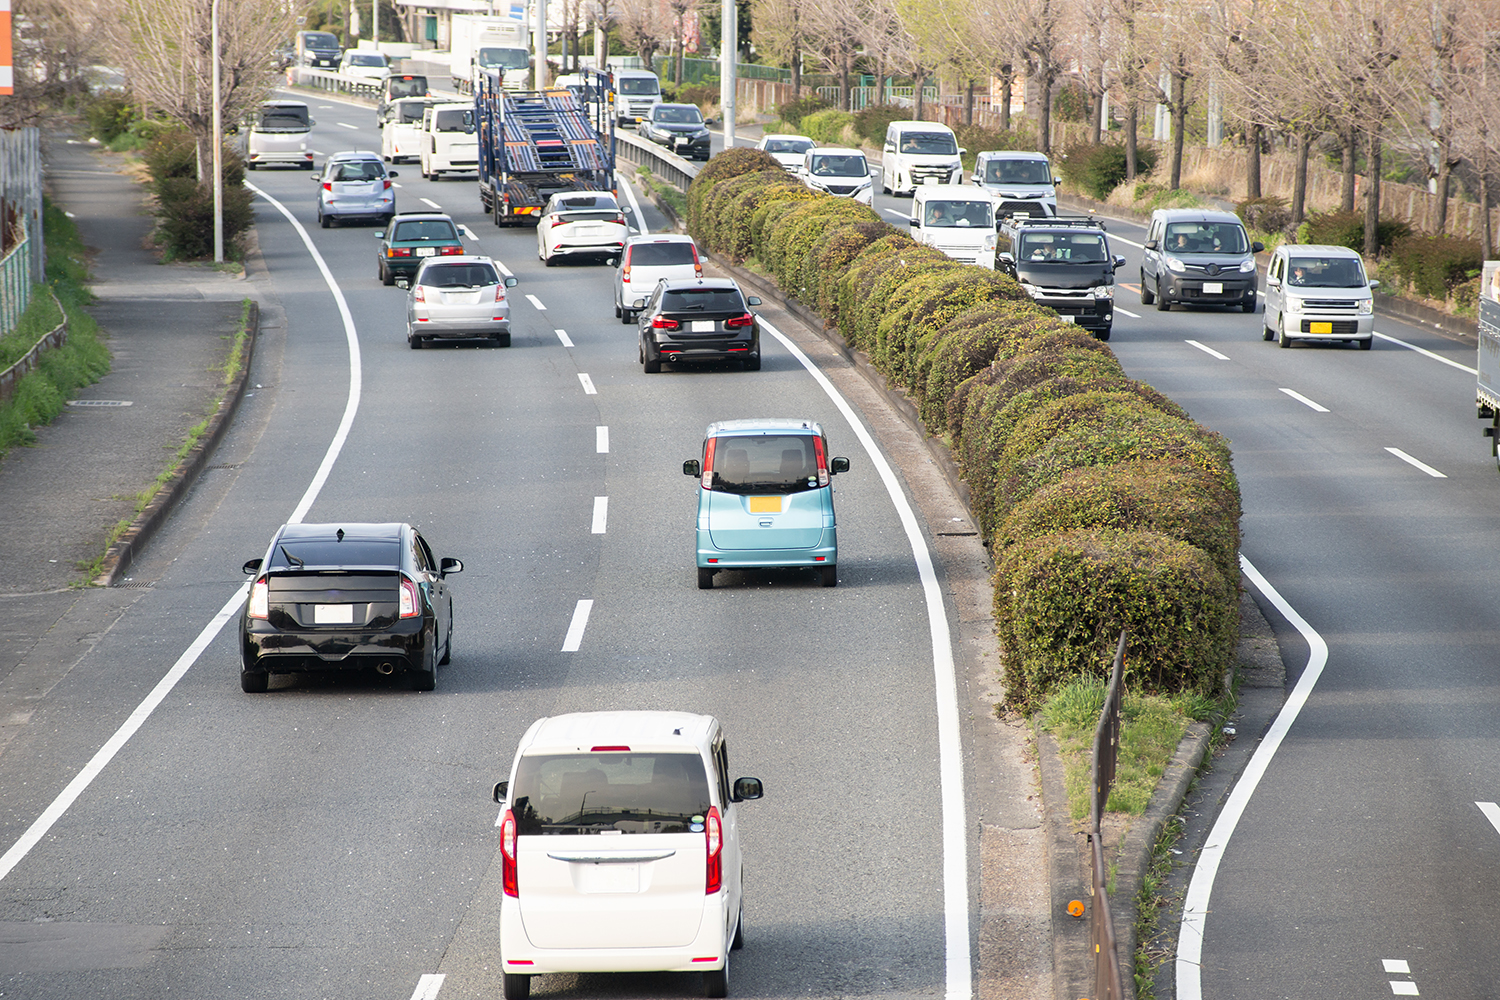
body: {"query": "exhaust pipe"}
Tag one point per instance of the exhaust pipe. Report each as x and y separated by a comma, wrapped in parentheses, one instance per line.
(385, 669)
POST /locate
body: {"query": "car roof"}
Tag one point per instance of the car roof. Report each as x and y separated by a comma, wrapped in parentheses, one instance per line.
(1011, 154)
(454, 258)
(921, 126)
(353, 154)
(660, 238)
(835, 150)
(387, 530)
(678, 284)
(422, 216)
(786, 135)
(962, 192)
(750, 426)
(639, 730)
(283, 104)
(679, 105)
(1196, 215)
(1318, 250)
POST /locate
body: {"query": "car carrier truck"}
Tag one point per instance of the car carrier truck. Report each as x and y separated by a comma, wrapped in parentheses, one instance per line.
(1488, 394)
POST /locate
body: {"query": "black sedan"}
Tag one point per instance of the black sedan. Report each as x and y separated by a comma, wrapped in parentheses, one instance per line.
(697, 319)
(342, 597)
(679, 127)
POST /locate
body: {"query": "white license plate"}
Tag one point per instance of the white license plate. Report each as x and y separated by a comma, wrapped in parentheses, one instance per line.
(702, 326)
(426, 251)
(1067, 319)
(608, 878)
(1213, 288)
(589, 230)
(333, 614)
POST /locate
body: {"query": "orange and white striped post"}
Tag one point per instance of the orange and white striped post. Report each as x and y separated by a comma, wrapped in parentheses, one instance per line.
(7, 75)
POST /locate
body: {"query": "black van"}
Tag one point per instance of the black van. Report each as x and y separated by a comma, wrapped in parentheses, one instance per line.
(1065, 264)
(318, 48)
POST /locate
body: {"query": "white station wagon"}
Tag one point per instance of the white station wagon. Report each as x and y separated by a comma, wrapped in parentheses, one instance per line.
(620, 849)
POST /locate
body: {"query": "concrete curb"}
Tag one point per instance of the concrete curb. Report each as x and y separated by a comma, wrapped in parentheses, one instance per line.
(119, 557)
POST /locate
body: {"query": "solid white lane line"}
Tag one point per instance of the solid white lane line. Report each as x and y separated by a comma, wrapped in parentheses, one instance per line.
(897, 213)
(1435, 474)
(959, 976)
(580, 621)
(601, 513)
(534, 301)
(428, 986)
(342, 125)
(1195, 906)
(106, 753)
(1208, 350)
(1304, 400)
(1424, 351)
(464, 230)
(601, 440)
(562, 335)
(1491, 812)
(588, 384)
(635, 206)
(503, 269)
(1127, 312)
(433, 204)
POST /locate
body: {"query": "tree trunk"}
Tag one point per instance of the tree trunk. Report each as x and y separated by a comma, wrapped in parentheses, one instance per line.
(1096, 132)
(1486, 235)
(797, 75)
(844, 94)
(1299, 182)
(1346, 193)
(919, 78)
(1044, 105)
(1179, 122)
(1007, 82)
(1131, 116)
(969, 106)
(1372, 197)
(1444, 180)
(1252, 162)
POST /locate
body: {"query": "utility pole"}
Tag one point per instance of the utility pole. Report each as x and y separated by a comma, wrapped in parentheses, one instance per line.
(218, 146)
(539, 47)
(728, 64)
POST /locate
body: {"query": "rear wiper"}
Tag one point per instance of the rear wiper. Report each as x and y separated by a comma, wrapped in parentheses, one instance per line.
(291, 559)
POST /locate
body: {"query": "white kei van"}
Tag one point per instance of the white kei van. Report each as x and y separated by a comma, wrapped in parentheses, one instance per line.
(637, 91)
(449, 142)
(958, 220)
(1318, 293)
(919, 153)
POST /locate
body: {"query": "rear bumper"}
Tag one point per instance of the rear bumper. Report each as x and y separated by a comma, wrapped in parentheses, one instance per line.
(266, 649)
(520, 957)
(825, 553)
(460, 329)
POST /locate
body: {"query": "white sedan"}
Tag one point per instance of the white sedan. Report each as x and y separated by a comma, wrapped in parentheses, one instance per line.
(581, 224)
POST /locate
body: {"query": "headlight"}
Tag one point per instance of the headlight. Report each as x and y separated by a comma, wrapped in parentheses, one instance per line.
(989, 242)
(862, 187)
(1032, 290)
(1247, 265)
(1293, 304)
(1365, 306)
(1173, 264)
(1104, 291)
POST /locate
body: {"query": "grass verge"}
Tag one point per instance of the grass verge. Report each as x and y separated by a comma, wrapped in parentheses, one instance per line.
(674, 198)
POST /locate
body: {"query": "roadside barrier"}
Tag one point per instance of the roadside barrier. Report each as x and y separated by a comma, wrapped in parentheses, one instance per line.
(1107, 982)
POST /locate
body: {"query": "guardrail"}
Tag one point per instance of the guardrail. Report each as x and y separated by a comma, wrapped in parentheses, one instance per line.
(1108, 984)
(339, 83)
(51, 340)
(666, 165)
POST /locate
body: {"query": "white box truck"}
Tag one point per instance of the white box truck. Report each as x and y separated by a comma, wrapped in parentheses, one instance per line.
(480, 42)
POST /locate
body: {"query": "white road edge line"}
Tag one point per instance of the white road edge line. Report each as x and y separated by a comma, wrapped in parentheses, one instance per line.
(601, 514)
(1208, 350)
(588, 384)
(1195, 906)
(1424, 351)
(351, 127)
(960, 976)
(1492, 813)
(1305, 401)
(574, 638)
(601, 440)
(428, 986)
(1435, 474)
(562, 335)
(100, 760)
(635, 206)
(1127, 312)
(534, 300)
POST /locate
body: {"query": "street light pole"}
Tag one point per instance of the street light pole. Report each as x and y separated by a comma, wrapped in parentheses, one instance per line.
(729, 56)
(218, 146)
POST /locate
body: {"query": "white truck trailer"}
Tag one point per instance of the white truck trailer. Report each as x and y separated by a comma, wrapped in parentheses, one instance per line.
(480, 43)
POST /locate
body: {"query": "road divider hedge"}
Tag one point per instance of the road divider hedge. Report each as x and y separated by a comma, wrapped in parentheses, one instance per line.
(1104, 505)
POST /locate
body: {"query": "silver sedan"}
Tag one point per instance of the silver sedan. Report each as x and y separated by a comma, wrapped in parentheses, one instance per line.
(458, 298)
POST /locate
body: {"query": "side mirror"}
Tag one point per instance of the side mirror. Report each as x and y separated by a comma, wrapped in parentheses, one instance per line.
(962, 150)
(612, 262)
(1057, 182)
(317, 178)
(1374, 282)
(1119, 261)
(1006, 257)
(1152, 245)
(748, 789)
(510, 282)
(914, 223)
(311, 123)
(447, 566)
(393, 173)
(753, 300)
(251, 566)
(502, 789)
(837, 465)
(1257, 247)
(380, 234)
(692, 467)
(639, 304)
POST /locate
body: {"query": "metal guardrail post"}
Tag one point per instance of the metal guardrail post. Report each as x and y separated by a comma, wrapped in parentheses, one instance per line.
(1107, 982)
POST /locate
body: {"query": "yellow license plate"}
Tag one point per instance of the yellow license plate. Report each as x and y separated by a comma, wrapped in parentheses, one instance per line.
(765, 505)
(1320, 328)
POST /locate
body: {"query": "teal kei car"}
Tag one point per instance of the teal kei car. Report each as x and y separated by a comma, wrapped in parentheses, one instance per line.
(766, 498)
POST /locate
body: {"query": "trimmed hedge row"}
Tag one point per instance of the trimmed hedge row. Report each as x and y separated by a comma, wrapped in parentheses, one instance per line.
(1105, 505)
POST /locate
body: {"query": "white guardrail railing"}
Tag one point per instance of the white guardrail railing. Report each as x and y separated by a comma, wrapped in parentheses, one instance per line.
(665, 165)
(338, 83)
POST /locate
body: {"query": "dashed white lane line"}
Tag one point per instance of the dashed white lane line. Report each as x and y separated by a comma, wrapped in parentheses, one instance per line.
(534, 300)
(1305, 401)
(601, 440)
(1435, 474)
(1403, 989)
(467, 233)
(429, 202)
(580, 621)
(896, 212)
(601, 513)
(1127, 312)
(588, 384)
(1423, 351)
(1207, 350)
(428, 986)
(503, 269)
(1491, 812)
(562, 335)
(354, 128)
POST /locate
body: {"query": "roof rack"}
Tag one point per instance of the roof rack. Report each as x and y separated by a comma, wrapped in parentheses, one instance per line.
(1057, 221)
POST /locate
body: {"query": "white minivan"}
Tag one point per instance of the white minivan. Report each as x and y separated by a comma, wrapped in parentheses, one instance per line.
(449, 142)
(1021, 182)
(919, 153)
(620, 849)
(1318, 293)
(958, 220)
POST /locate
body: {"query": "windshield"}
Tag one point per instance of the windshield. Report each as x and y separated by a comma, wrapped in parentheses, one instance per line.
(835, 165)
(677, 116)
(325, 552)
(929, 143)
(453, 120)
(615, 792)
(1017, 172)
(366, 59)
(640, 86)
(458, 276)
(770, 463)
(320, 41)
(788, 145)
(1206, 237)
(425, 229)
(1064, 248)
(1326, 272)
(959, 213)
(504, 58)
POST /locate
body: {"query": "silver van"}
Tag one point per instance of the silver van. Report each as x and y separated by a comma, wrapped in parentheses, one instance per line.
(1198, 257)
(1318, 293)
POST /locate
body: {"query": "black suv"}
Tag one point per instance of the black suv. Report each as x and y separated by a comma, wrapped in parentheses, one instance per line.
(698, 319)
(1064, 263)
(679, 127)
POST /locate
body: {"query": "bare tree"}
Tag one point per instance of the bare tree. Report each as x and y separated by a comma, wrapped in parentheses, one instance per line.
(833, 32)
(641, 28)
(55, 43)
(780, 31)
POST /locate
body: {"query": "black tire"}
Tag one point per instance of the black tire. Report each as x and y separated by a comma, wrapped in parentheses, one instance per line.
(254, 681)
(549, 261)
(627, 317)
(1266, 333)
(424, 678)
(1248, 305)
(414, 341)
(651, 365)
(1367, 343)
(752, 363)
(739, 930)
(705, 579)
(387, 276)
(307, 166)
(1282, 340)
(448, 643)
(515, 987)
(1163, 304)
(1102, 334)
(501, 340)
(617, 310)
(716, 981)
(1147, 295)
(829, 576)
(323, 220)
(251, 164)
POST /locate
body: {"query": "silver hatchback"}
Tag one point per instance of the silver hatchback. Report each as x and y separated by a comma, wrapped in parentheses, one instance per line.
(458, 298)
(355, 185)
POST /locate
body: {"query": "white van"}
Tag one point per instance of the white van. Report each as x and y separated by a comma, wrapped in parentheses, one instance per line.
(401, 134)
(843, 173)
(449, 142)
(620, 849)
(919, 153)
(958, 220)
(1021, 182)
(278, 134)
(1318, 293)
(637, 91)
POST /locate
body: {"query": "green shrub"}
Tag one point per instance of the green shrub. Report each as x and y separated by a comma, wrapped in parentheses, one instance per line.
(705, 95)
(1433, 266)
(870, 123)
(785, 241)
(803, 261)
(729, 208)
(970, 342)
(826, 127)
(1098, 170)
(792, 112)
(907, 333)
(854, 284)
(1347, 229)
(726, 165)
(887, 284)
(770, 210)
(185, 208)
(1062, 600)
(1071, 103)
(833, 253)
(110, 115)
(1265, 215)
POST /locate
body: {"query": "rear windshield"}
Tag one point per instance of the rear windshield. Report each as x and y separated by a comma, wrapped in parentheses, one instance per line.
(770, 463)
(283, 119)
(640, 86)
(1017, 172)
(705, 300)
(930, 143)
(590, 215)
(576, 203)
(425, 229)
(452, 120)
(459, 276)
(661, 254)
(1326, 272)
(1206, 237)
(1067, 248)
(409, 111)
(359, 170)
(615, 792)
(310, 553)
(407, 86)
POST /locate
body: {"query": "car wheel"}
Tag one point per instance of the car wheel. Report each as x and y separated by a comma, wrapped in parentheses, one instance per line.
(752, 363)
(829, 575)
(716, 981)
(1266, 333)
(251, 164)
(254, 681)
(1367, 343)
(424, 678)
(1163, 304)
(502, 340)
(627, 317)
(323, 220)
(387, 276)
(515, 987)
(414, 341)
(739, 930)
(651, 365)
(617, 310)
(1147, 295)
(1248, 305)
(1102, 334)
(549, 261)
(705, 579)
(1282, 340)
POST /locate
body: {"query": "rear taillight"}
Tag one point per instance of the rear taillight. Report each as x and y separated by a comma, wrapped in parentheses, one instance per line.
(418, 294)
(708, 463)
(260, 599)
(327, 185)
(410, 606)
(739, 321)
(508, 879)
(499, 293)
(662, 323)
(620, 221)
(822, 461)
(387, 184)
(398, 251)
(713, 839)
(451, 251)
(625, 266)
(697, 262)
(559, 221)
